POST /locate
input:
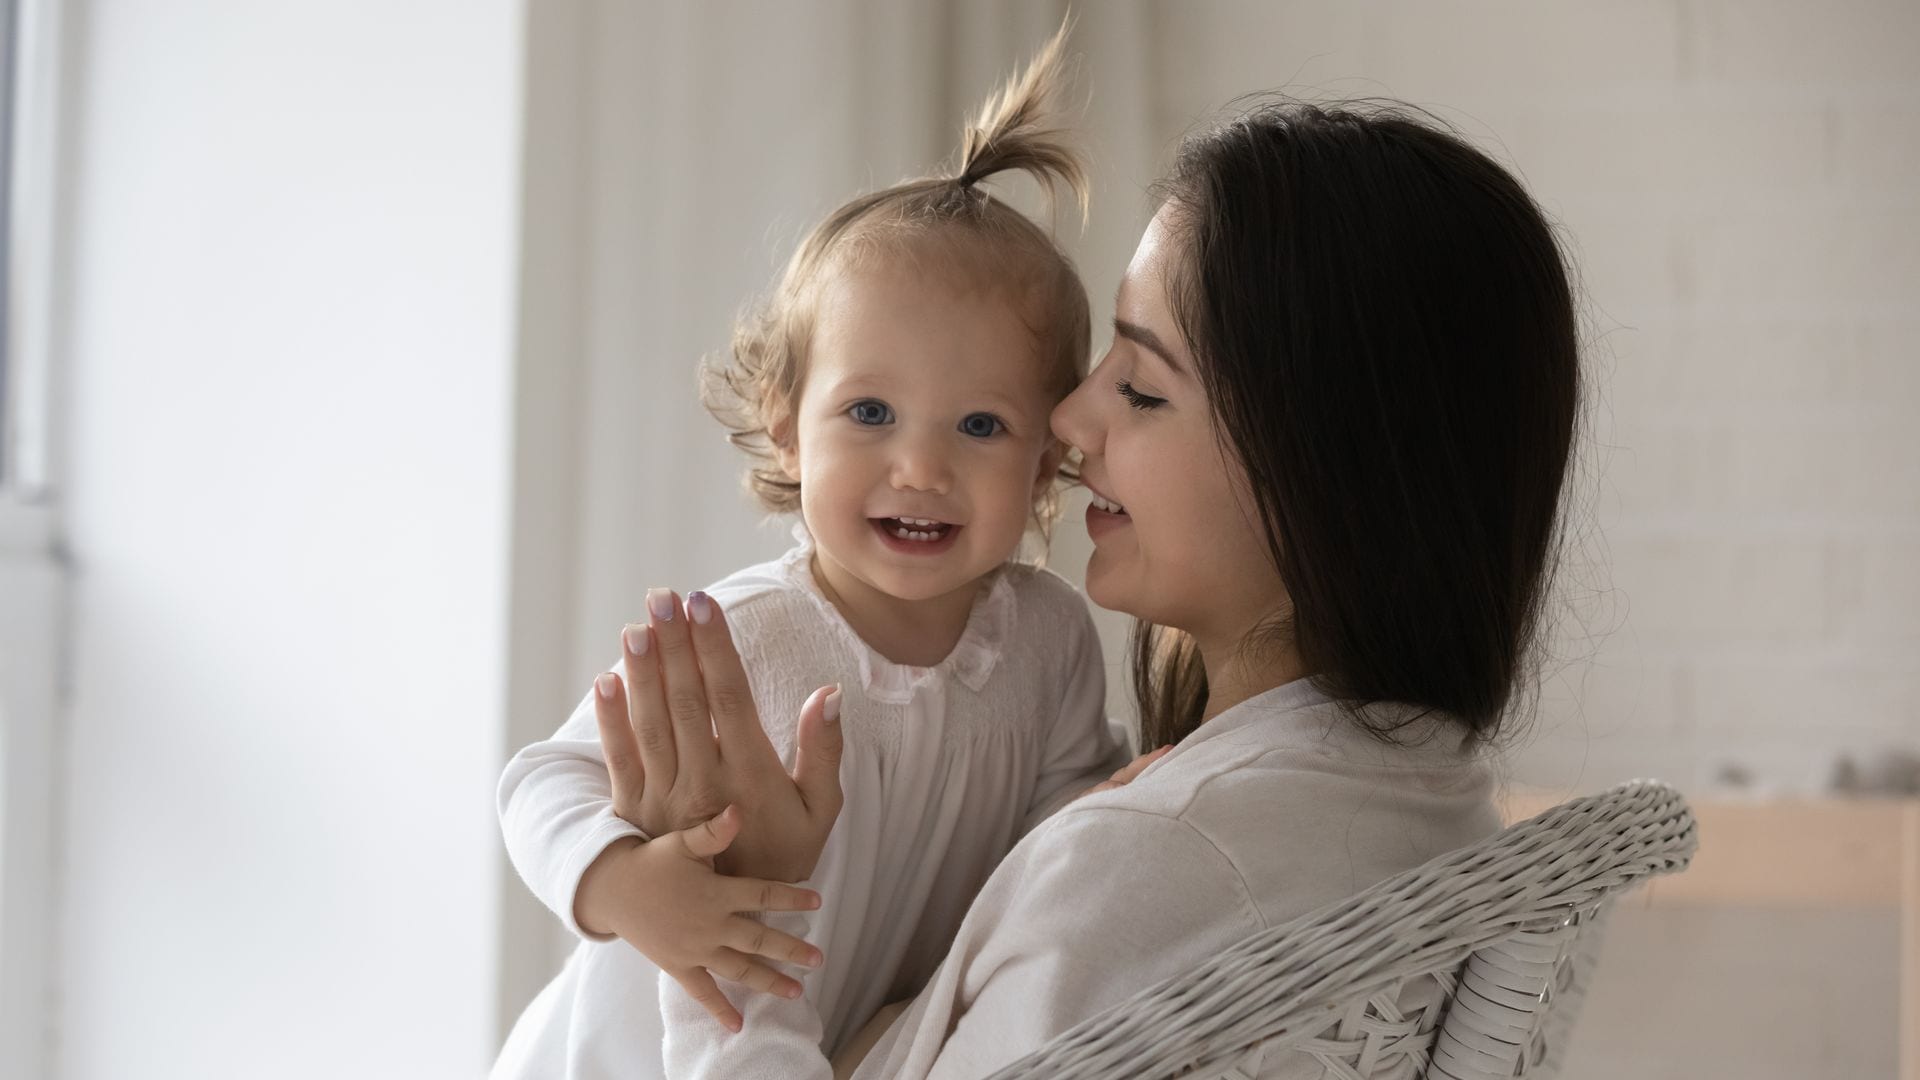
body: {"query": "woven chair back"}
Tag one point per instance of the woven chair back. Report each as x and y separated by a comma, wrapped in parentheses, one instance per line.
(1471, 965)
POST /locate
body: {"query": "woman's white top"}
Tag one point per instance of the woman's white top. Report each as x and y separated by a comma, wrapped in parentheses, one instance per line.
(1269, 810)
(944, 769)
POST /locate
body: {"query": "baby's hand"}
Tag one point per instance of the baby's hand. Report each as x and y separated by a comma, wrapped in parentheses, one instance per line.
(664, 898)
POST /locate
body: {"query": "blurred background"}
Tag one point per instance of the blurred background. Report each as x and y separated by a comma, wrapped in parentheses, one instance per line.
(349, 409)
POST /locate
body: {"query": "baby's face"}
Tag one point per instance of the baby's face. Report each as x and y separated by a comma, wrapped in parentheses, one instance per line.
(924, 401)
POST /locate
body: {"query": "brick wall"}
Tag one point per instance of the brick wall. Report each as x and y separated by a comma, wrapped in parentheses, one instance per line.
(1737, 182)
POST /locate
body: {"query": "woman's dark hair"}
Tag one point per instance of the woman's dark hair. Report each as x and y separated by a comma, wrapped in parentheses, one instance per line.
(1386, 331)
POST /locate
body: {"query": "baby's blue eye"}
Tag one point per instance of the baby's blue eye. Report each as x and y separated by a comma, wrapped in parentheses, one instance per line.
(871, 413)
(981, 425)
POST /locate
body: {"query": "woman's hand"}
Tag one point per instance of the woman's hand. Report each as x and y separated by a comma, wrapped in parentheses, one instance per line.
(663, 897)
(1126, 774)
(683, 740)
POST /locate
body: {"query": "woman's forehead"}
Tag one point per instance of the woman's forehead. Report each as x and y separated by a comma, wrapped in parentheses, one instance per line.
(1144, 282)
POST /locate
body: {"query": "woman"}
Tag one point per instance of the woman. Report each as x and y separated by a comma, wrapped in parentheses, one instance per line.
(1328, 449)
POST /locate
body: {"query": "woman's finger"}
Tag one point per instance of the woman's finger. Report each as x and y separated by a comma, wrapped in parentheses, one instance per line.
(617, 743)
(754, 894)
(1125, 775)
(817, 750)
(696, 754)
(749, 972)
(758, 939)
(736, 721)
(647, 707)
(700, 987)
(1138, 765)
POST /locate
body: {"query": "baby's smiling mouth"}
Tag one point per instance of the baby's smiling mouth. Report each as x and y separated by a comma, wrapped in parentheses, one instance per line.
(915, 528)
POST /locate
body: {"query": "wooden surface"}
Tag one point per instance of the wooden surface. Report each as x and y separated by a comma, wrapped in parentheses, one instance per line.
(1801, 853)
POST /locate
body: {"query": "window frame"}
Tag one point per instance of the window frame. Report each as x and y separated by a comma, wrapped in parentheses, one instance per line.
(35, 69)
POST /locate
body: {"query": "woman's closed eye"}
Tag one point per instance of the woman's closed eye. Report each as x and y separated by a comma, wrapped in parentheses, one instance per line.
(868, 412)
(1137, 399)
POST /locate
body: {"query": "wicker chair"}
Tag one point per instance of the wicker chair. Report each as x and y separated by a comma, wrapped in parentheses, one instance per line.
(1503, 934)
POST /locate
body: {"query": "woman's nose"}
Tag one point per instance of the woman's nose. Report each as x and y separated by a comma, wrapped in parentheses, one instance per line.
(1075, 421)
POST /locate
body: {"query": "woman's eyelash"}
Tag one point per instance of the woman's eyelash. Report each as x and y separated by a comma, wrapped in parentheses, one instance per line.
(1137, 399)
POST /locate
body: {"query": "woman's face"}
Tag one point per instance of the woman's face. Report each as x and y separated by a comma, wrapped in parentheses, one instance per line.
(1184, 548)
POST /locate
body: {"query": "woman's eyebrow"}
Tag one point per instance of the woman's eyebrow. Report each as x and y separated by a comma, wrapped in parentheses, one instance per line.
(1146, 339)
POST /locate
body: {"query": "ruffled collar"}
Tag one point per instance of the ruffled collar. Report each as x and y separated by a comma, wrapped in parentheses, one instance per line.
(971, 661)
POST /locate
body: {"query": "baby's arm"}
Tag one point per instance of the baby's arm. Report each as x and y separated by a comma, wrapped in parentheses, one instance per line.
(781, 1039)
(556, 813)
(1081, 749)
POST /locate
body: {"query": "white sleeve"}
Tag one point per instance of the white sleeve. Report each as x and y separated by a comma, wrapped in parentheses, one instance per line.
(1087, 912)
(779, 1038)
(556, 812)
(1081, 749)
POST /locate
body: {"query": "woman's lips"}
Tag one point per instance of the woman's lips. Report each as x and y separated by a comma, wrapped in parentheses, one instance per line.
(1102, 522)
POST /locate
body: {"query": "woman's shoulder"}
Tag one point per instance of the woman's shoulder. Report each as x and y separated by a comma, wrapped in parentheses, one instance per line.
(1301, 825)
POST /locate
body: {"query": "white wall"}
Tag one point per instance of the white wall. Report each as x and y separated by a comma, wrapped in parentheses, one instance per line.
(294, 258)
(1736, 179)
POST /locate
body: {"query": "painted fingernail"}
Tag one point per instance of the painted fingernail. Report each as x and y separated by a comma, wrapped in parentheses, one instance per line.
(700, 607)
(604, 685)
(660, 604)
(832, 707)
(635, 638)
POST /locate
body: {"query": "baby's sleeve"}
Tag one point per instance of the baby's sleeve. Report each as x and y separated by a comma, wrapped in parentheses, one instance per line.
(1082, 748)
(779, 1038)
(556, 812)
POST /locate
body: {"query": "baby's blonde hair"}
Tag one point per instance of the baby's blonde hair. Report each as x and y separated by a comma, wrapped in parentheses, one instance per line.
(754, 391)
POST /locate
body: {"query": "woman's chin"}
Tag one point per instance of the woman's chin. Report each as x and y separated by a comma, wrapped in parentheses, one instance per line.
(1106, 584)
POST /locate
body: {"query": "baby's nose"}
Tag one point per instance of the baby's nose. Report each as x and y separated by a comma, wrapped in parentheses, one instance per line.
(920, 466)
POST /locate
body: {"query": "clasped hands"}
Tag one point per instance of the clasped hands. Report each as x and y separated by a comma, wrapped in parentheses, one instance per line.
(692, 767)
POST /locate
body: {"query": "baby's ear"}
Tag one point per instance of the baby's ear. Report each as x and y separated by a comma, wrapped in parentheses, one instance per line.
(786, 450)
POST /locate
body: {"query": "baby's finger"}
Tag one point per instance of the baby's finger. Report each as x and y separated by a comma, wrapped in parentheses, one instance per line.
(710, 837)
(758, 939)
(752, 973)
(700, 987)
(617, 743)
(753, 894)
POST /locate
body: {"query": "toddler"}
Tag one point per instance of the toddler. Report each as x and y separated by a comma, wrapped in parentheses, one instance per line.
(895, 391)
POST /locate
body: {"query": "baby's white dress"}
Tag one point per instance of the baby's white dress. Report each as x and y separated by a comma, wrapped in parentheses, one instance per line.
(945, 768)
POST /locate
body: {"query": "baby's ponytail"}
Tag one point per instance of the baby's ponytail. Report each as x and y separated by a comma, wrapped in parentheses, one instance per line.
(1018, 129)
